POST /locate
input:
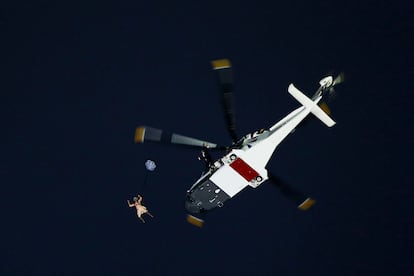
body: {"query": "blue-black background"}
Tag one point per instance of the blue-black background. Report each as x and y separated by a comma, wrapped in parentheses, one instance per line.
(76, 79)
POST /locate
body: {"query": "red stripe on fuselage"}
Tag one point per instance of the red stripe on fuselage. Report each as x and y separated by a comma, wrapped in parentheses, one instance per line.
(244, 169)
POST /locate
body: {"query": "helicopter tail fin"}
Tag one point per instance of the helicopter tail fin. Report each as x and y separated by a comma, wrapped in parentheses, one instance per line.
(312, 105)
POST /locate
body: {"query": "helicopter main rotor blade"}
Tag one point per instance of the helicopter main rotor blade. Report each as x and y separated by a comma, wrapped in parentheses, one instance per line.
(303, 202)
(144, 134)
(225, 81)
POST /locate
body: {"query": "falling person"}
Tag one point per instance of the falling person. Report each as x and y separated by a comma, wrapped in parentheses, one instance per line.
(141, 209)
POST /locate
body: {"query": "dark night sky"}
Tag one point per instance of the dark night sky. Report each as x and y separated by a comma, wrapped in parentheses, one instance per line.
(76, 79)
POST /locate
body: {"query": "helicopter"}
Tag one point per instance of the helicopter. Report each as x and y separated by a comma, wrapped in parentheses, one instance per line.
(244, 161)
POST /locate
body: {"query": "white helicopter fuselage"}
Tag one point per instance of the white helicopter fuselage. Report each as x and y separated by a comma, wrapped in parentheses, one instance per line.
(245, 165)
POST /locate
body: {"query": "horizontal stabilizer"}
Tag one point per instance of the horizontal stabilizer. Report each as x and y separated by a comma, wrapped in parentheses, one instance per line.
(312, 105)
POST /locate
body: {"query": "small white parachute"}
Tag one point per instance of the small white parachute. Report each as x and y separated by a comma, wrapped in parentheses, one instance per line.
(150, 165)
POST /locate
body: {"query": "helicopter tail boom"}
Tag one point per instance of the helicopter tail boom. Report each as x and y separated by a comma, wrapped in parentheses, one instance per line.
(311, 105)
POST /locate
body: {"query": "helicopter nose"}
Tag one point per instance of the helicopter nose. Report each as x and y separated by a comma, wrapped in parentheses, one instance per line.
(191, 207)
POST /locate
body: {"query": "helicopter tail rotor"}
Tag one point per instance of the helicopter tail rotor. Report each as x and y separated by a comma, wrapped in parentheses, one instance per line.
(339, 79)
(329, 94)
(303, 202)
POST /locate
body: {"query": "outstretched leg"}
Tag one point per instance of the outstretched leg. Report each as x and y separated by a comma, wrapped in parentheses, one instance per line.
(149, 214)
(140, 218)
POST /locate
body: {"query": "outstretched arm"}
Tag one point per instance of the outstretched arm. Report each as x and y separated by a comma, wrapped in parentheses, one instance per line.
(129, 204)
(139, 199)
